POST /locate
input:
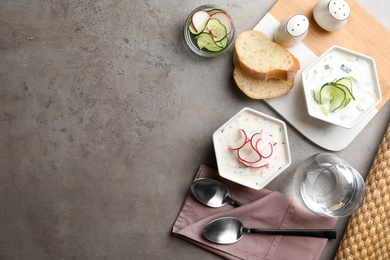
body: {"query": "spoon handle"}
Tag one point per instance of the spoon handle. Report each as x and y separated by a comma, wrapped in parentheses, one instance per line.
(236, 203)
(324, 233)
(232, 201)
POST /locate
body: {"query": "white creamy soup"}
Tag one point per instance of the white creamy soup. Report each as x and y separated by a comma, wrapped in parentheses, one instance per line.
(336, 64)
(272, 130)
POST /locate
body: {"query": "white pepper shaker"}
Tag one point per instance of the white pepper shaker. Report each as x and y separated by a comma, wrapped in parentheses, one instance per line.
(292, 30)
(331, 15)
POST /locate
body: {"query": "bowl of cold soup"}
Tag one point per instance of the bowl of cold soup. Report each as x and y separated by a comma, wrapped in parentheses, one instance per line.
(252, 148)
(341, 87)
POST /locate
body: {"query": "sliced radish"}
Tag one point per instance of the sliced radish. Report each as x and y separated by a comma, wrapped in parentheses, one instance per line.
(199, 20)
(252, 152)
(247, 154)
(239, 140)
(256, 137)
(213, 32)
(225, 19)
(266, 150)
(260, 164)
(263, 163)
(192, 29)
(245, 163)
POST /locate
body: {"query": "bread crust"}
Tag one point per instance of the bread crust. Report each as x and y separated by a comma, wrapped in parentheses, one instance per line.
(261, 89)
(253, 52)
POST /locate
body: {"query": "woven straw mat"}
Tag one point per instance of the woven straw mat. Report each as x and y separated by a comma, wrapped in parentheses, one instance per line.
(367, 235)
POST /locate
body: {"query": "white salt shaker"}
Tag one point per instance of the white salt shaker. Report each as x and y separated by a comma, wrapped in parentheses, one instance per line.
(292, 30)
(331, 15)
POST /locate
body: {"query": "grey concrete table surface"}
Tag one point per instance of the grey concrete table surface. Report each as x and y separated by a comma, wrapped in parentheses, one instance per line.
(105, 119)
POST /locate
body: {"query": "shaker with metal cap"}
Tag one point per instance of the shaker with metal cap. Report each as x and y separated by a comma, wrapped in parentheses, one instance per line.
(292, 30)
(331, 15)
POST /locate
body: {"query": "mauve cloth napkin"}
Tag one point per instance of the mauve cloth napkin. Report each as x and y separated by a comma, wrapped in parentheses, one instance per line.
(262, 209)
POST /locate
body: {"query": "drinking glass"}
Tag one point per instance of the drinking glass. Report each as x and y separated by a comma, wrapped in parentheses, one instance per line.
(330, 186)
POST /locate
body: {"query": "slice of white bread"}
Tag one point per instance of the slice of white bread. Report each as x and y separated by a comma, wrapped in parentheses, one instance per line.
(264, 59)
(261, 89)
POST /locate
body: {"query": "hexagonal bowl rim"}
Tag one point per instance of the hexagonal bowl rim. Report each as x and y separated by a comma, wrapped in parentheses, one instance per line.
(308, 94)
(241, 181)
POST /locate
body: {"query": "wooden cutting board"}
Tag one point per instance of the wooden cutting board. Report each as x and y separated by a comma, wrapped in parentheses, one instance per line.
(362, 33)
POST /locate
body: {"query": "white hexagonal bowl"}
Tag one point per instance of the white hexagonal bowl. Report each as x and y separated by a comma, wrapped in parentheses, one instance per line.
(252, 121)
(335, 63)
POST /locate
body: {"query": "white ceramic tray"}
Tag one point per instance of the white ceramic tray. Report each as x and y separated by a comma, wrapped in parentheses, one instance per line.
(293, 108)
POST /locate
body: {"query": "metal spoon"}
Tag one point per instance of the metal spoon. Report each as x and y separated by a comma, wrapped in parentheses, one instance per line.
(212, 193)
(229, 230)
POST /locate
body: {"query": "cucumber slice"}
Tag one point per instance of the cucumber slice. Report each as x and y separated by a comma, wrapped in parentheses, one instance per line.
(338, 99)
(213, 11)
(216, 29)
(348, 94)
(338, 93)
(223, 43)
(347, 82)
(345, 88)
(192, 29)
(334, 94)
(206, 41)
(325, 94)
